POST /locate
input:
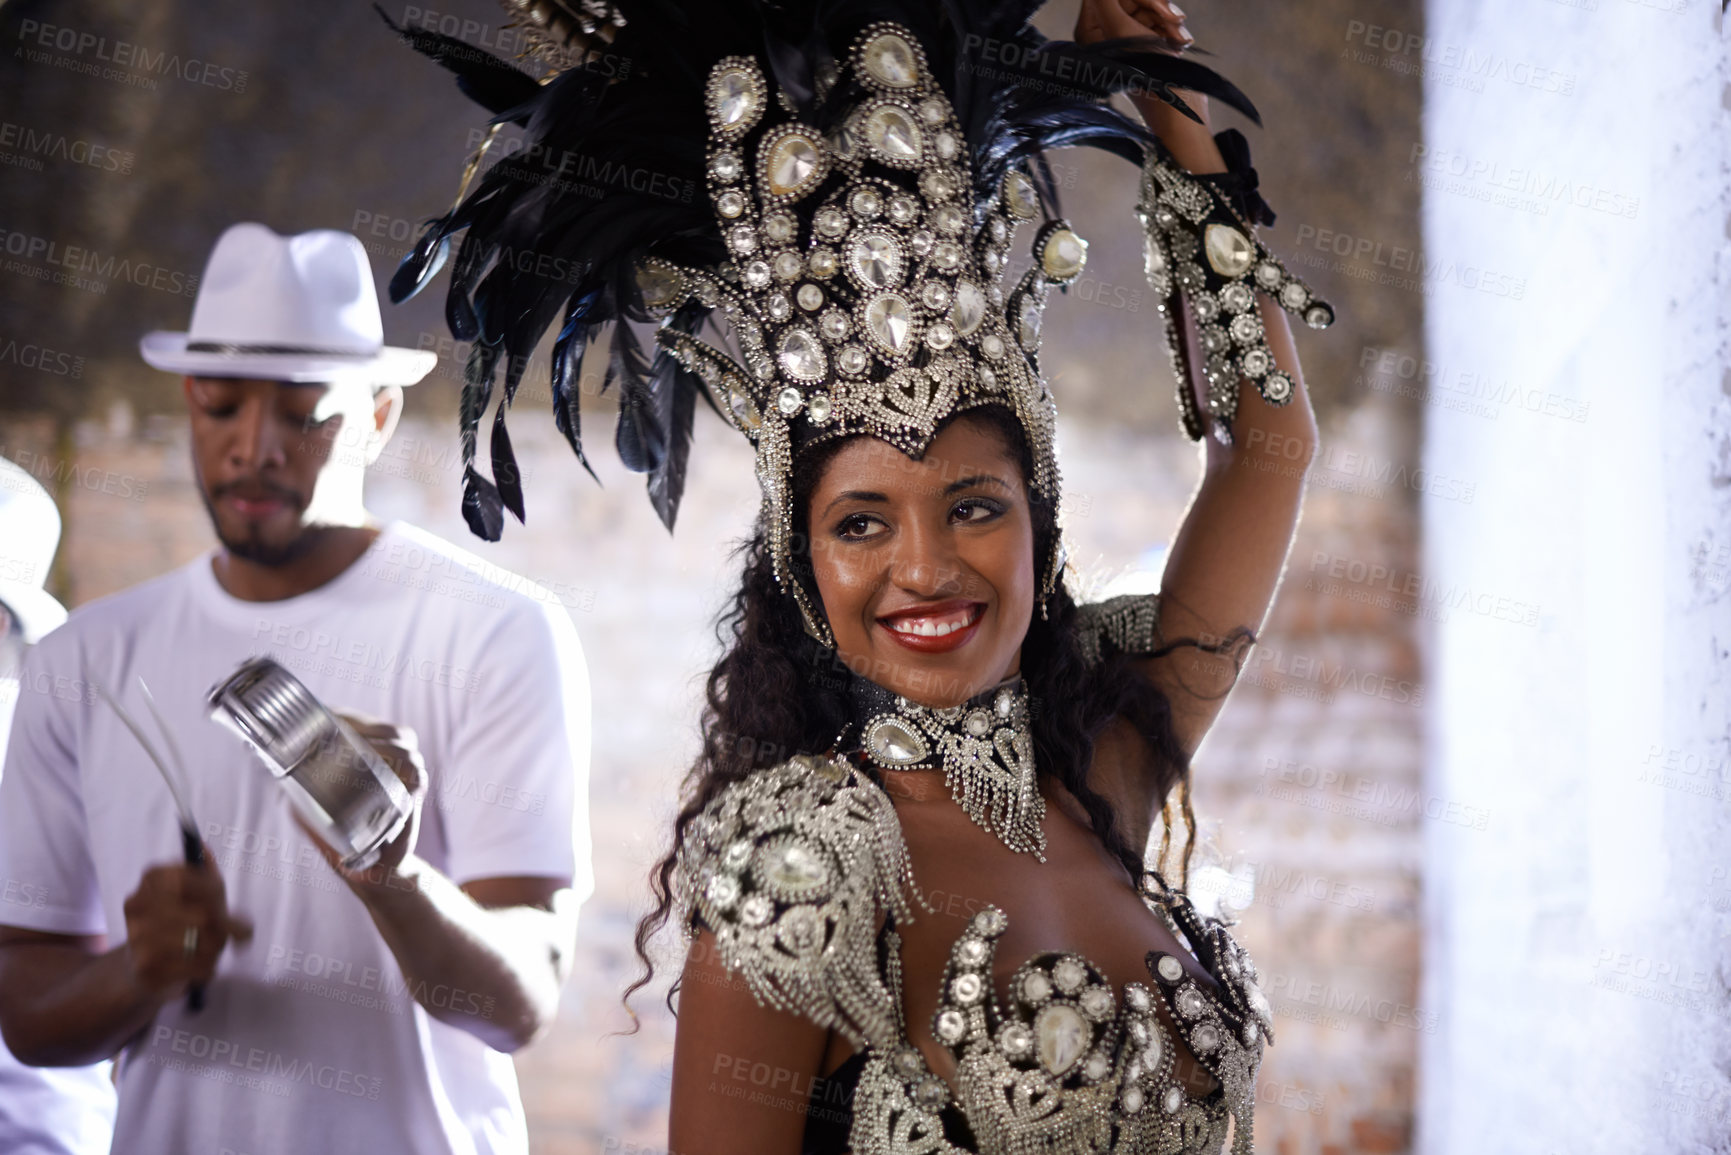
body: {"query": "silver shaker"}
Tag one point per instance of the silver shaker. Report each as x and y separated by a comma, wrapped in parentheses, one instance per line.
(334, 779)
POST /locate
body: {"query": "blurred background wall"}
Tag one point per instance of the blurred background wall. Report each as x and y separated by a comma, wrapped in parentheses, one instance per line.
(118, 177)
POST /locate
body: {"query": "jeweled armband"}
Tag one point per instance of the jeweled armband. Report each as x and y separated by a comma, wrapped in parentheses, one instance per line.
(1130, 623)
(1199, 244)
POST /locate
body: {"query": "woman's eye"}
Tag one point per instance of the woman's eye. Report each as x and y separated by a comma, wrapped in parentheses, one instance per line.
(976, 510)
(220, 411)
(857, 527)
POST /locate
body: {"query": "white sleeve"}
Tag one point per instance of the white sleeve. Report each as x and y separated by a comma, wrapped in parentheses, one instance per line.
(47, 877)
(515, 797)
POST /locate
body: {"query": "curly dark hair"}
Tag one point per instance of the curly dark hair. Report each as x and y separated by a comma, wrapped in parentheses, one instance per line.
(776, 692)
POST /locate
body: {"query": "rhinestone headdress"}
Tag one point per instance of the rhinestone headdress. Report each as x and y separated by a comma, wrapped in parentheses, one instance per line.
(849, 215)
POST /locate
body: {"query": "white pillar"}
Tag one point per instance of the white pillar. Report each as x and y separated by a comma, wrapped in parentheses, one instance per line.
(1578, 244)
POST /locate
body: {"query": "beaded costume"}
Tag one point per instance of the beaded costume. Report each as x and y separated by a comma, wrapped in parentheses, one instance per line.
(834, 189)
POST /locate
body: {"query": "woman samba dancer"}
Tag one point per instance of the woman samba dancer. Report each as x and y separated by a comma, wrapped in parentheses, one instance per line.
(911, 856)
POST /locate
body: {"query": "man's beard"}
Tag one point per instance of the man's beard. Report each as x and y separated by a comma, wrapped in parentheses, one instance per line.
(267, 554)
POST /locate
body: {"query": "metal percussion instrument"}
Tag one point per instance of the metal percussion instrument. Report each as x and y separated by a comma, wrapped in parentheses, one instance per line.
(336, 781)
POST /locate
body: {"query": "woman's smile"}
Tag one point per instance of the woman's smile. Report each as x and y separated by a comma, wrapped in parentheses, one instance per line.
(935, 629)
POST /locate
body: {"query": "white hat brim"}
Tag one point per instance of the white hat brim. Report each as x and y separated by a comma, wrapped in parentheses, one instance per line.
(389, 366)
(37, 611)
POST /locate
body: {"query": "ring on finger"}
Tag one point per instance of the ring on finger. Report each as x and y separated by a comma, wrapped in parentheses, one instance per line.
(189, 942)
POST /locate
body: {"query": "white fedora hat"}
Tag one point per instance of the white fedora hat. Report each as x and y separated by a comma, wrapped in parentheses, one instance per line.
(300, 308)
(29, 534)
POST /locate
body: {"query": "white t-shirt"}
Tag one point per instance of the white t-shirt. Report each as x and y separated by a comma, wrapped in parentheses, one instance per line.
(309, 1039)
(47, 1110)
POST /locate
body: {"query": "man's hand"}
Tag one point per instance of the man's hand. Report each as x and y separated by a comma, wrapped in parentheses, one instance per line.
(177, 925)
(400, 749)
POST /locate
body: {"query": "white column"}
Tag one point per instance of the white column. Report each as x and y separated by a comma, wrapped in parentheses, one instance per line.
(1576, 230)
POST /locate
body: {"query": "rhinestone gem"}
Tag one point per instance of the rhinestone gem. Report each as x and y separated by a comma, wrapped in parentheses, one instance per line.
(951, 1025)
(1097, 1067)
(966, 989)
(1190, 1003)
(835, 325)
(949, 219)
(988, 379)
(1151, 1056)
(1097, 1003)
(730, 203)
(937, 185)
(903, 209)
(1036, 988)
(990, 922)
(1229, 251)
(876, 259)
(723, 890)
(818, 408)
(798, 930)
(1173, 1100)
(1064, 255)
(853, 360)
(1237, 297)
(1250, 1033)
(794, 164)
(735, 95)
(658, 284)
(1019, 196)
(1062, 1036)
(756, 910)
(890, 61)
(726, 166)
(797, 867)
(1004, 703)
(1258, 1001)
(780, 228)
(1207, 308)
(743, 238)
(1319, 316)
(789, 401)
(908, 1063)
(947, 145)
(1139, 1031)
(823, 263)
(1137, 996)
(1293, 295)
(757, 274)
(1268, 275)
(1214, 338)
(1015, 1040)
(970, 308)
(866, 204)
(934, 295)
(892, 133)
(931, 1094)
(831, 222)
(921, 242)
(997, 229)
(1153, 260)
(992, 346)
(1132, 1099)
(947, 256)
(779, 308)
(972, 952)
(1169, 968)
(1069, 974)
(978, 723)
(890, 322)
(1028, 323)
(940, 336)
(1277, 387)
(744, 410)
(809, 297)
(737, 855)
(933, 110)
(1205, 1038)
(992, 260)
(1255, 364)
(891, 739)
(788, 266)
(1245, 328)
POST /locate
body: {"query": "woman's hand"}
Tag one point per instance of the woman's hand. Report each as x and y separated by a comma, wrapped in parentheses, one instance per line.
(1119, 19)
(1190, 143)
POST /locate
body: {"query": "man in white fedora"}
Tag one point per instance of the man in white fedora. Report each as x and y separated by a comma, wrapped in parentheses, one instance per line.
(347, 1012)
(42, 1112)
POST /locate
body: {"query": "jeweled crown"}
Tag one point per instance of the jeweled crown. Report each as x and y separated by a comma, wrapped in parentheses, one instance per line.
(862, 284)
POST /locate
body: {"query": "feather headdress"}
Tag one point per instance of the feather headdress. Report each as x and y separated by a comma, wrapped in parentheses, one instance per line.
(839, 179)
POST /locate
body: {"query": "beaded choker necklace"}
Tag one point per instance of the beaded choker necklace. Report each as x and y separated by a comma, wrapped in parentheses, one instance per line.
(983, 747)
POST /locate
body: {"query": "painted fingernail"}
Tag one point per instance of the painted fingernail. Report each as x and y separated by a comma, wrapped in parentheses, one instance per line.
(1175, 10)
